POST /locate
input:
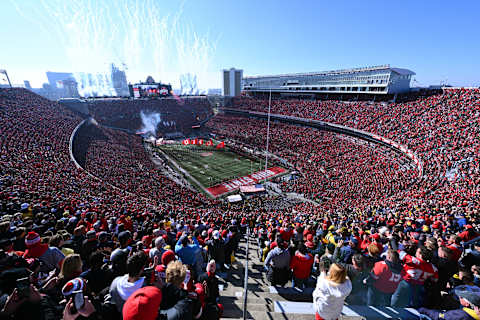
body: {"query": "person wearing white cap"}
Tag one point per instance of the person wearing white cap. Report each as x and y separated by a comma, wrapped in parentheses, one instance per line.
(216, 249)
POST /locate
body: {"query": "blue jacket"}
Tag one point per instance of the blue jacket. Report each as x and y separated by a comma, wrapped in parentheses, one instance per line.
(187, 254)
(346, 253)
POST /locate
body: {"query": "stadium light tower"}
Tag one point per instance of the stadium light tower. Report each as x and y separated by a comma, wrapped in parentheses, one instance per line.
(8, 79)
(268, 131)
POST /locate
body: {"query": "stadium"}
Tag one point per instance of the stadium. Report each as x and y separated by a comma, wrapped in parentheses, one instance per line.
(343, 194)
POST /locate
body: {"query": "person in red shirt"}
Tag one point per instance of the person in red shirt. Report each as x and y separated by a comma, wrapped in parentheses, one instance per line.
(469, 233)
(416, 270)
(301, 264)
(286, 232)
(386, 276)
(454, 244)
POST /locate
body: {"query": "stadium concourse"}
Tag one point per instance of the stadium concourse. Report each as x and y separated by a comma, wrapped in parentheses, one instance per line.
(376, 239)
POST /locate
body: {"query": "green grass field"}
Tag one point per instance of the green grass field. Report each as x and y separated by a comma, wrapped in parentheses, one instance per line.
(211, 166)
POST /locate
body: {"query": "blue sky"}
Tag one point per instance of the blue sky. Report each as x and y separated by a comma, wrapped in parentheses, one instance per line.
(439, 40)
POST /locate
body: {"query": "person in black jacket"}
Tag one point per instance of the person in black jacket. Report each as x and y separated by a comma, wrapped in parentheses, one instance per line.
(357, 272)
(176, 303)
(213, 309)
(216, 249)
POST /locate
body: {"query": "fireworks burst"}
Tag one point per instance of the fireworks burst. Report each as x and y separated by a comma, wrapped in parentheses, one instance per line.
(95, 34)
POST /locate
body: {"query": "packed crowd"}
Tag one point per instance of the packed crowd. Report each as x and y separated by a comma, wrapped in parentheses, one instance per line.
(335, 170)
(127, 242)
(442, 129)
(388, 259)
(121, 160)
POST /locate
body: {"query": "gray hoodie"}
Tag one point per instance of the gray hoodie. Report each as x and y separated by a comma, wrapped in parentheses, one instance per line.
(278, 258)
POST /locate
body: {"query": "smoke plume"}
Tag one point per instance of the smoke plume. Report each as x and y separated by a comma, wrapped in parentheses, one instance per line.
(150, 122)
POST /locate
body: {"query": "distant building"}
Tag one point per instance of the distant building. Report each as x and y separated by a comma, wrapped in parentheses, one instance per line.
(119, 81)
(55, 77)
(27, 84)
(61, 85)
(214, 91)
(232, 82)
(379, 80)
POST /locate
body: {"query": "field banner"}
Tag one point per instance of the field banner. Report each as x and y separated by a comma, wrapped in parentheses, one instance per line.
(253, 178)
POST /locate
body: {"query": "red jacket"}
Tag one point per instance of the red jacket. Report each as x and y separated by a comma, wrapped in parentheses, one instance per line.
(286, 235)
(301, 265)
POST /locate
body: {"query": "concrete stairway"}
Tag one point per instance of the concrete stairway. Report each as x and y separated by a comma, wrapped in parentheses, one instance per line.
(263, 301)
(275, 303)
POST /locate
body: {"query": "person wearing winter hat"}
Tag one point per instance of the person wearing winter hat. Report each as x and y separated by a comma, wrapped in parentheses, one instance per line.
(160, 270)
(143, 304)
(213, 309)
(50, 257)
(277, 264)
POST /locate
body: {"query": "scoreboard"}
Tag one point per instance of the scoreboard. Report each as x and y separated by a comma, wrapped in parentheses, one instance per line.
(150, 90)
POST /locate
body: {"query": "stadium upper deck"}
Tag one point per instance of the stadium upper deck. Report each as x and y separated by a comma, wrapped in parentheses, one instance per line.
(379, 80)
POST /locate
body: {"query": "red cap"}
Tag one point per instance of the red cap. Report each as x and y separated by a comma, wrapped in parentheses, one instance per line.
(376, 236)
(167, 257)
(143, 304)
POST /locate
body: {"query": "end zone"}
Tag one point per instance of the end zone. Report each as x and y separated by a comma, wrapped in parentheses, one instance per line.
(232, 185)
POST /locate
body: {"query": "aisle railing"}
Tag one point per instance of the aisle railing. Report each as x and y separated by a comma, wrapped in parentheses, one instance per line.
(245, 280)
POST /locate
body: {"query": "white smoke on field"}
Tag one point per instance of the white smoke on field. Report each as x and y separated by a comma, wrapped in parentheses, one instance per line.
(150, 122)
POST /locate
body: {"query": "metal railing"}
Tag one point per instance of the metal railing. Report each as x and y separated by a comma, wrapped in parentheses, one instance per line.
(245, 280)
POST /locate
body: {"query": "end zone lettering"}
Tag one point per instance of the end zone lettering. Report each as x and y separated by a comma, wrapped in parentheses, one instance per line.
(234, 184)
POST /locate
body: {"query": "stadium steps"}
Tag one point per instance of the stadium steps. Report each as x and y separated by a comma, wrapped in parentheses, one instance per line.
(263, 301)
(283, 303)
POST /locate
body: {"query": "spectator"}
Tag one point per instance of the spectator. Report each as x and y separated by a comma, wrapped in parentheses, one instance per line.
(123, 287)
(143, 304)
(50, 257)
(301, 265)
(216, 250)
(330, 293)
(469, 300)
(277, 264)
(186, 249)
(416, 271)
(176, 303)
(386, 276)
(158, 250)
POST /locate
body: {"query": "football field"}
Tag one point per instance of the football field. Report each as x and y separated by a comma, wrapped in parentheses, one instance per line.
(211, 166)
